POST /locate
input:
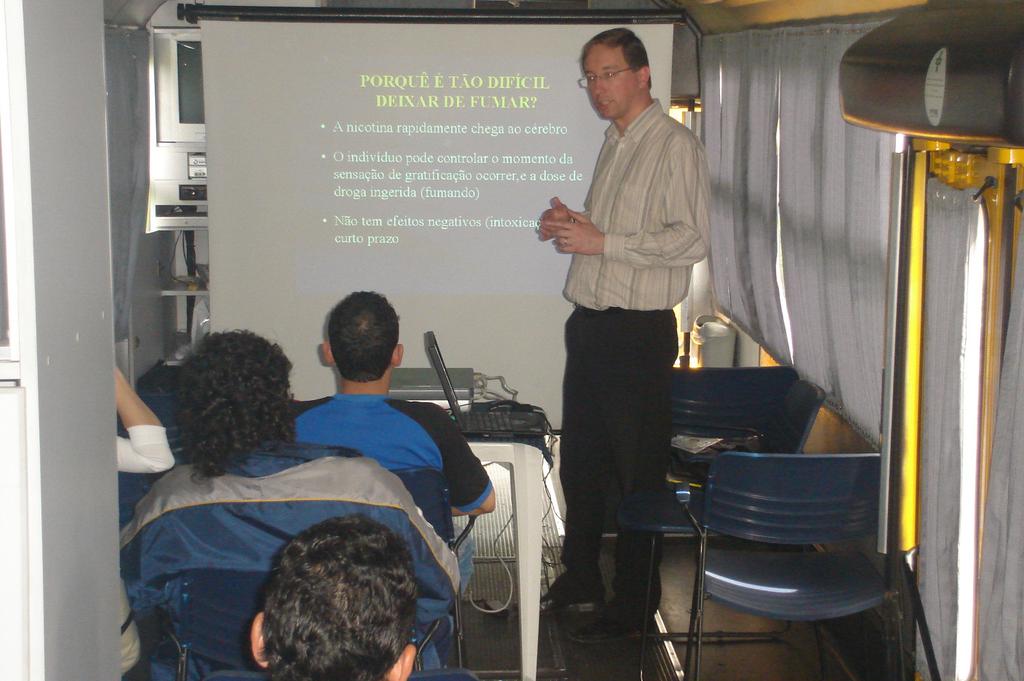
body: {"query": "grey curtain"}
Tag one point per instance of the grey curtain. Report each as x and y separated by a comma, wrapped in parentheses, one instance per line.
(1002, 580)
(834, 187)
(952, 220)
(127, 61)
(818, 197)
(740, 73)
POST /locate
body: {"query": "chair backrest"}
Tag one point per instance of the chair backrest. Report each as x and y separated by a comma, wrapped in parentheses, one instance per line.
(792, 498)
(451, 674)
(429, 489)
(232, 675)
(728, 396)
(799, 410)
(771, 401)
(216, 613)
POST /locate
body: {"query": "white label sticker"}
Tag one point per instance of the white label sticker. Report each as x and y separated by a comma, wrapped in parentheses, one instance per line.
(935, 87)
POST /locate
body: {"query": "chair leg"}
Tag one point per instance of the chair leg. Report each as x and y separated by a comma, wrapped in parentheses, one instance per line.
(697, 610)
(693, 613)
(647, 606)
(181, 674)
(422, 644)
(460, 641)
(700, 607)
(181, 671)
(821, 650)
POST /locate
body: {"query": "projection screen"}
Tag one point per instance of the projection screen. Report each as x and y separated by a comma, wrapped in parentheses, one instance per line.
(408, 159)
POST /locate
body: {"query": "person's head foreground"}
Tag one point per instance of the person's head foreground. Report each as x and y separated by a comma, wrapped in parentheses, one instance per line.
(617, 75)
(362, 337)
(341, 605)
(234, 395)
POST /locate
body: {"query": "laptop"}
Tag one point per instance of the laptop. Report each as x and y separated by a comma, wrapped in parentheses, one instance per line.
(482, 423)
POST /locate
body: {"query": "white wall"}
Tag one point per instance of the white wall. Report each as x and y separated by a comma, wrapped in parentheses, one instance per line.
(67, 345)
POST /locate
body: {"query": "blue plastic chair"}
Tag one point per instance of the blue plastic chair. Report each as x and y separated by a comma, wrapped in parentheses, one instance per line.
(429, 489)
(217, 607)
(664, 512)
(656, 512)
(771, 403)
(786, 499)
(764, 409)
(214, 618)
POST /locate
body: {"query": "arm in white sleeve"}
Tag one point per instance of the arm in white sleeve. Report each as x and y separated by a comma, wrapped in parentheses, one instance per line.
(146, 451)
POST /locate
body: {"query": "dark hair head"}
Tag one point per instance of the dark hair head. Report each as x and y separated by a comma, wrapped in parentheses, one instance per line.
(363, 332)
(233, 395)
(632, 47)
(341, 604)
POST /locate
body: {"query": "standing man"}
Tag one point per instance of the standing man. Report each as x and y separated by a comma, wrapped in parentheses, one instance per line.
(644, 224)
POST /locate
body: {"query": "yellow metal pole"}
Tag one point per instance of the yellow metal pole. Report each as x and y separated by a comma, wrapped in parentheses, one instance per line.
(911, 435)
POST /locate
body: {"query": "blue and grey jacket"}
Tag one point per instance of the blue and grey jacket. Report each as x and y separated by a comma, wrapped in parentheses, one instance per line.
(239, 522)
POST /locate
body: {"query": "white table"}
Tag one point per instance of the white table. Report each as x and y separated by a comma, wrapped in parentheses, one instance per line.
(528, 511)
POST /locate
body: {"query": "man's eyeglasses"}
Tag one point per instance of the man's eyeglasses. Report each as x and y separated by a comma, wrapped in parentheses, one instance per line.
(607, 76)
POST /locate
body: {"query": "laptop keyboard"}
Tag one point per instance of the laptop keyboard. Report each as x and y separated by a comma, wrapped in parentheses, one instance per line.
(484, 421)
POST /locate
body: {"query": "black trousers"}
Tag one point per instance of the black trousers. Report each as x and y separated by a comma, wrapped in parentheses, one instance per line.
(616, 430)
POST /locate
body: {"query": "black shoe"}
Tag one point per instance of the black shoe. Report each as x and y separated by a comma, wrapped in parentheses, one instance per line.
(565, 593)
(603, 629)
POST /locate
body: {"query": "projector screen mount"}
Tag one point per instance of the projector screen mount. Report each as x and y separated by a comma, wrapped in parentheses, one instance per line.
(192, 13)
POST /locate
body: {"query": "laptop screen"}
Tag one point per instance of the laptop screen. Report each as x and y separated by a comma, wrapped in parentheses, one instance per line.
(437, 362)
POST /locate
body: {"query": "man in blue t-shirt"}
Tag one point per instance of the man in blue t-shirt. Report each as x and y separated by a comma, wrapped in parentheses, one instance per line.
(362, 333)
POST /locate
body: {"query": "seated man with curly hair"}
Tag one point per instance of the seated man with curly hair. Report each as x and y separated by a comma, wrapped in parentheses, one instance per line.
(341, 605)
(206, 534)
